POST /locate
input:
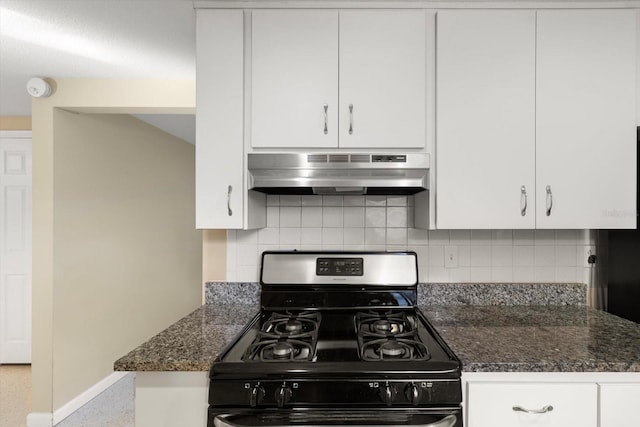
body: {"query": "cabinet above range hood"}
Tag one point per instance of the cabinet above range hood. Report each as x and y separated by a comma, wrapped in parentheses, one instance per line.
(338, 173)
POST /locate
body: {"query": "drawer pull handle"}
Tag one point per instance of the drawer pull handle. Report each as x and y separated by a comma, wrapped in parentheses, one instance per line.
(544, 410)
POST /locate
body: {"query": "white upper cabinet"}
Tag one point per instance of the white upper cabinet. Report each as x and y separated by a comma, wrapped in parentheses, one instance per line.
(294, 78)
(382, 79)
(585, 123)
(220, 189)
(328, 78)
(486, 119)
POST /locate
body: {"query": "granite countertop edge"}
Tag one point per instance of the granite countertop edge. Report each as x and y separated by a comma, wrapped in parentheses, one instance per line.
(581, 335)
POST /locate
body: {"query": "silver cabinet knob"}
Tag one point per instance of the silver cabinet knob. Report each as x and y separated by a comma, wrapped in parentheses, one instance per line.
(543, 410)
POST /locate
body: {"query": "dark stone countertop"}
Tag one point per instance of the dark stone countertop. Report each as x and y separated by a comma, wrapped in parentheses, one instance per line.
(192, 343)
(537, 338)
(524, 338)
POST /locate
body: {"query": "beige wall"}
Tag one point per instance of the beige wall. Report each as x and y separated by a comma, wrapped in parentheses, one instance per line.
(15, 123)
(84, 288)
(127, 256)
(214, 255)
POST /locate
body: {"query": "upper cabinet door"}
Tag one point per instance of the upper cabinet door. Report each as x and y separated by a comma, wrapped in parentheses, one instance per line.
(382, 78)
(294, 78)
(486, 119)
(586, 131)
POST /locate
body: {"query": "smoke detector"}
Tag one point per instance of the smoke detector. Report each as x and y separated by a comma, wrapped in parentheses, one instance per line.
(38, 88)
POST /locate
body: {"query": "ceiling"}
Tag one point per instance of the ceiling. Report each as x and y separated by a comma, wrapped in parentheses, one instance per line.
(95, 39)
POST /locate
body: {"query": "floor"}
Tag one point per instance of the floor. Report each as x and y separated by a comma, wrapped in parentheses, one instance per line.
(15, 395)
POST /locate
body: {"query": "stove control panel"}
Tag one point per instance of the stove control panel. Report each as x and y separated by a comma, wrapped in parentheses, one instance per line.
(304, 393)
(339, 266)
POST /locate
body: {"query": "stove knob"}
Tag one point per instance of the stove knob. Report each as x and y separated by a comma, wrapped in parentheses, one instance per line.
(283, 395)
(256, 395)
(413, 393)
(388, 394)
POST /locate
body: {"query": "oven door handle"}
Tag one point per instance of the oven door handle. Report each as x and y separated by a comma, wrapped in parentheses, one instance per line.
(448, 421)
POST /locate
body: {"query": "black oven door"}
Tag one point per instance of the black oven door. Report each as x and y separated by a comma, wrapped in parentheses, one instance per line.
(428, 417)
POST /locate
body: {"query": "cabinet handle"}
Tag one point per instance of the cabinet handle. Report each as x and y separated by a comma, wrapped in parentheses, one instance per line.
(326, 119)
(229, 200)
(549, 200)
(350, 119)
(544, 410)
(523, 200)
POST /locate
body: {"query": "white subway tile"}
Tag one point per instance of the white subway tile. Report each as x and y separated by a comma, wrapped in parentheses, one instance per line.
(332, 247)
(523, 274)
(332, 236)
(354, 216)
(375, 217)
(354, 236)
(396, 248)
(273, 216)
(566, 274)
(586, 237)
(416, 236)
(247, 255)
(273, 200)
(480, 256)
(397, 236)
(375, 236)
(289, 236)
(464, 256)
(545, 256)
(502, 274)
(438, 237)
(247, 237)
(439, 275)
(290, 200)
(397, 217)
(269, 236)
(332, 216)
(396, 200)
(566, 256)
(310, 247)
(423, 273)
(248, 274)
(523, 256)
(567, 237)
(374, 248)
(480, 237)
(290, 216)
(290, 247)
(460, 237)
(480, 274)
(265, 248)
(376, 201)
(311, 200)
(354, 247)
(353, 200)
(523, 238)
(436, 256)
(332, 201)
(232, 276)
(311, 236)
(423, 254)
(231, 235)
(545, 274)
(544, 237)
(502, 256)
(502, 237)
(311, 216)
(460, 274)
(410, 217)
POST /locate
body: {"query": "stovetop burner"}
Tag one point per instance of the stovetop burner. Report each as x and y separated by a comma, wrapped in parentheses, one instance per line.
(286, 336)
(389, 336)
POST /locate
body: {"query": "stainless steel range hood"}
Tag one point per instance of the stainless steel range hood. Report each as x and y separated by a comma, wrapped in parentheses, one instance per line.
(338, 173)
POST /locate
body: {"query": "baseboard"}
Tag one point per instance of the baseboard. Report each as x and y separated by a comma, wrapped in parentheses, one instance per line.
(39, 419)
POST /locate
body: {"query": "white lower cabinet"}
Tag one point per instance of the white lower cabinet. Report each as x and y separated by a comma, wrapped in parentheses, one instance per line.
(529, 399)
(619, 405)
(533, 404)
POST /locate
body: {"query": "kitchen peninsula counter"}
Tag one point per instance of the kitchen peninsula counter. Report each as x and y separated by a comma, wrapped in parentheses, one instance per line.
(522, 338)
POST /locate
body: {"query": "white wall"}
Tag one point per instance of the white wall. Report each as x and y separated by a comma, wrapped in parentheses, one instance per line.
(384, 223)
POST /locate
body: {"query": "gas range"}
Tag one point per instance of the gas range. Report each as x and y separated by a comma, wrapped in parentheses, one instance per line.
(339, 340)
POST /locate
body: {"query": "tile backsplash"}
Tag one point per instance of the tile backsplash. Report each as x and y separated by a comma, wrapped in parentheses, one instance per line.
(386, 223)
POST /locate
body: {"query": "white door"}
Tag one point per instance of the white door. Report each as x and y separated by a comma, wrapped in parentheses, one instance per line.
(486, 119)
(382, 78)
(619, 405)
(585, 119)
(294, 78)
(15, 247)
